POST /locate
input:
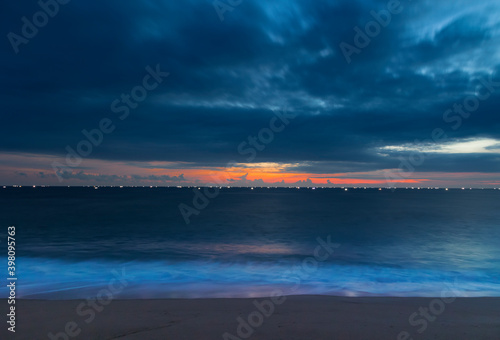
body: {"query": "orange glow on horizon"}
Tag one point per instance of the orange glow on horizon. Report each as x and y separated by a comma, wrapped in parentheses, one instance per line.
(273, 175)
(36, 169)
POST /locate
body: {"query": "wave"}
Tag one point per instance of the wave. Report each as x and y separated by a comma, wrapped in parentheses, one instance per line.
(59, 279)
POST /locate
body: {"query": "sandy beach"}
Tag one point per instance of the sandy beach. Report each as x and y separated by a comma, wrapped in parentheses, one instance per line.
(289, 318)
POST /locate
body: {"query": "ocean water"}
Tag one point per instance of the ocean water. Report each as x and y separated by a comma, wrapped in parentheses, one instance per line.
(74, 242)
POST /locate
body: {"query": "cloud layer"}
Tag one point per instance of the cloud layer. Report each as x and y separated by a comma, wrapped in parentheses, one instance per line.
(229, 78)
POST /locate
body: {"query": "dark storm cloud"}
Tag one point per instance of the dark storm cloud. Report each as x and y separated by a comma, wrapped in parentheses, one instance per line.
(227, 78)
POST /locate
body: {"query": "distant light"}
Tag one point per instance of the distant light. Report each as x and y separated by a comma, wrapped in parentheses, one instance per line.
(34, 186)
(345, 189)
(446, 189)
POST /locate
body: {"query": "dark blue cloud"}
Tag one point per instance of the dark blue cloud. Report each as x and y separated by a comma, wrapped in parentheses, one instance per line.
(227, 78)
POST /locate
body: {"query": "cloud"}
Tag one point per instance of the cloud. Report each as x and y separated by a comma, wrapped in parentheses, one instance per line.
(163, 178)
(42, 174)
(227, 78)
(243, 181)
(82, 176)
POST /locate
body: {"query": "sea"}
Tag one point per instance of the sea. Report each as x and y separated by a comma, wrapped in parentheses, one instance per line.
(76, 242)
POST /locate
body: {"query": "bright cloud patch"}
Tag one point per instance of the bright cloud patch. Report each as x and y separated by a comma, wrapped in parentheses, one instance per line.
(485, 145)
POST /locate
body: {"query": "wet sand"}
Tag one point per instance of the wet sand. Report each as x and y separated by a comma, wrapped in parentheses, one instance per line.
(288, 318)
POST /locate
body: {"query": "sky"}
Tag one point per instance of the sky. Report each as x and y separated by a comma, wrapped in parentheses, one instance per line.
(250, 93)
